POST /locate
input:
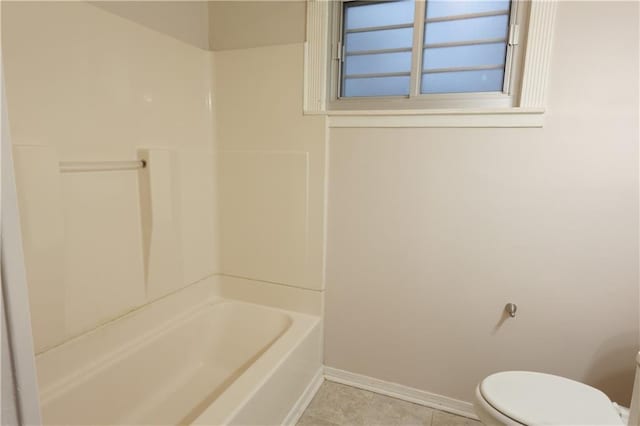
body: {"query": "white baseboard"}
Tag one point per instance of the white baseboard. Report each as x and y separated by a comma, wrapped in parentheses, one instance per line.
(405, 393)
(303, 402)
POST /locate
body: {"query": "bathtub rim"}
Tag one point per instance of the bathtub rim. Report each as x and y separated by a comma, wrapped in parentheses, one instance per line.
(97, 365)
(233, 398)
(244, 388)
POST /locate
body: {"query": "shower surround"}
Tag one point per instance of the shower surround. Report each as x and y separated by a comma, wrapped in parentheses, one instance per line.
(206, 264)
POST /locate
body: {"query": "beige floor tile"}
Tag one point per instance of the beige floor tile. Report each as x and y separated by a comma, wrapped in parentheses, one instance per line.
(340, 404)
(386, 411)
(441, 418)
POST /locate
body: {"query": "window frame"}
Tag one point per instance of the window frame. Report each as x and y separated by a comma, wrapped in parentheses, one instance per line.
(528, 111)
(507, 98)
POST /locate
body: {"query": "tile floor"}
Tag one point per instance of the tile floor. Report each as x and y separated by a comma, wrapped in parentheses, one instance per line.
(341, 405)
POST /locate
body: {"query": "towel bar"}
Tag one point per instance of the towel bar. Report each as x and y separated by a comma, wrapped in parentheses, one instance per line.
(98, 166)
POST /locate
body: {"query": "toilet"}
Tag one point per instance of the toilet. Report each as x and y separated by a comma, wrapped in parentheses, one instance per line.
(527, 398)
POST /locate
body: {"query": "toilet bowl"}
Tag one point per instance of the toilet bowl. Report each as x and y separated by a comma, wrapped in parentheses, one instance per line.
(528, 398)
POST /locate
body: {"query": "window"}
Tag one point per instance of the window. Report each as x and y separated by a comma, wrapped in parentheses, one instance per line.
(465, 46)
(417, 54)
(377, 48)
(465, 63)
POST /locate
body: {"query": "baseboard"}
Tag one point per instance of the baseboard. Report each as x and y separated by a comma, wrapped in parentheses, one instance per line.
(303, 402)
(405, 393)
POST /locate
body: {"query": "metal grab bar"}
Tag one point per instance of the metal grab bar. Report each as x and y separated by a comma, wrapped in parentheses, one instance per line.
(100, 166)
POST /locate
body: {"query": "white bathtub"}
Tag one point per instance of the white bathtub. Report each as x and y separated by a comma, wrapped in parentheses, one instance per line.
(211, 362)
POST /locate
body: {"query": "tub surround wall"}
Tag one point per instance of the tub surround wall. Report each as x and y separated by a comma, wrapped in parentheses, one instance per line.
(39, 194)
(157, 189)
(265, 215)
(132, 91)
(99, 244)
(272, 165)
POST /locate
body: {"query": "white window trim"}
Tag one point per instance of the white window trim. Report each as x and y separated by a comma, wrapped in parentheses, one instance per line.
(528, 113)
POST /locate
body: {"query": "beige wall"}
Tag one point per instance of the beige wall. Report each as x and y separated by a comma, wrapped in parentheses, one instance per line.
(187, 21)
(244, 24)
(432, 231)
(84, 84)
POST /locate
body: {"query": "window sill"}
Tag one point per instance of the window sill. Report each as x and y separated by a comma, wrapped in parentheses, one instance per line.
(490, 118)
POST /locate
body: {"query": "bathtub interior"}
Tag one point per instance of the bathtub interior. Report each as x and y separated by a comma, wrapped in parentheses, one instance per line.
(167, 374)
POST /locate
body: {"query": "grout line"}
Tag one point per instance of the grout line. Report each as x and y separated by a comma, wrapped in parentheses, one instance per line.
(272, 282)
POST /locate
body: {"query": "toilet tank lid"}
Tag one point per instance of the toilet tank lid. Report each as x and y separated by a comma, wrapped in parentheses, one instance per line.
(534, 398)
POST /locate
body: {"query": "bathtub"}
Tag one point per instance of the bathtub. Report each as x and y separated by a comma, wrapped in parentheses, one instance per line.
(214, 362)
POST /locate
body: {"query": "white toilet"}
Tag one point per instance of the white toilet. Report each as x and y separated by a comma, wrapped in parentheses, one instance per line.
(527, 398)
